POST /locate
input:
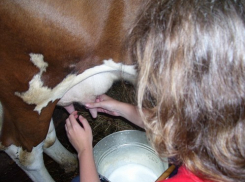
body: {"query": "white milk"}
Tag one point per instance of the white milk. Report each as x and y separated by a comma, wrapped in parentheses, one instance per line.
(132, 173)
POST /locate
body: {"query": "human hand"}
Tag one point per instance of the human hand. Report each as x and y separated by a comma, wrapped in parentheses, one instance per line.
(80, 137)
(105, 104)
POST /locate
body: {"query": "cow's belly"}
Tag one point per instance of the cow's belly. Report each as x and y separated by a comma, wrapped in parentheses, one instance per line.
(74, 88)
(87, 90)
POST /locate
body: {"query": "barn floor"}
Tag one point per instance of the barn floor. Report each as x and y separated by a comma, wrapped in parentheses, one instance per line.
(102, 126)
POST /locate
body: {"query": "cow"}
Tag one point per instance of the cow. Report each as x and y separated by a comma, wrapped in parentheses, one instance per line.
(57, 52)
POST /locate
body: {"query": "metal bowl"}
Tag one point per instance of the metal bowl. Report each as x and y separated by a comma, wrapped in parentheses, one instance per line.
(128, 156)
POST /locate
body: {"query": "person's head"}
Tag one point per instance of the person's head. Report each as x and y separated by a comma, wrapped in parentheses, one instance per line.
(191, 60)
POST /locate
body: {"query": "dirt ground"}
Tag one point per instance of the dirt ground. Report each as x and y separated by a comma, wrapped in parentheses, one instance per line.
(102, 126)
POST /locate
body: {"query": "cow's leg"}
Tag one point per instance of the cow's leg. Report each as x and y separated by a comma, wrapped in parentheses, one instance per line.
(53, 148)
(30, 162)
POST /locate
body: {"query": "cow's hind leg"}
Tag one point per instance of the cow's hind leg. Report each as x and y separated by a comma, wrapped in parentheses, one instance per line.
(30, 162)
(53, 148)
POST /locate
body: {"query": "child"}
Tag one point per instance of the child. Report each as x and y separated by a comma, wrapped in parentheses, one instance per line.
(191, 84)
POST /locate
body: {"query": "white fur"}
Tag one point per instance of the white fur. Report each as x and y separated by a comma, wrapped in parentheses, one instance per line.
(87, 90)
(38, 61)
(32, 162)
(53, 148)
(106, 73)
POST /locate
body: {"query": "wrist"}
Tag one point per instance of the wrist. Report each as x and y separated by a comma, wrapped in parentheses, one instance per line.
(127, 110)
(83, 153)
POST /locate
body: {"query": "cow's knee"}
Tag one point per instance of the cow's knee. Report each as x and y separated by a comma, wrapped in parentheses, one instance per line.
(51, 136)
(53, 148)
(30, 162)
(27, 160)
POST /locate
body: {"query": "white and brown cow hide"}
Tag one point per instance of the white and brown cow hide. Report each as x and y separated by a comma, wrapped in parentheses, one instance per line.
(51, 49)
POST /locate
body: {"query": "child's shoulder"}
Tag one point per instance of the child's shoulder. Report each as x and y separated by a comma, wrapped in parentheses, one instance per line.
(183, 175)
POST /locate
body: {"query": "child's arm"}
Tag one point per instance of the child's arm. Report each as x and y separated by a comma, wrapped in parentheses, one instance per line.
(113, 107)
(87, 168)
(81, 138)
